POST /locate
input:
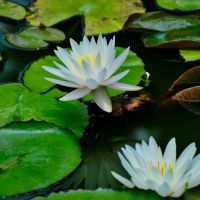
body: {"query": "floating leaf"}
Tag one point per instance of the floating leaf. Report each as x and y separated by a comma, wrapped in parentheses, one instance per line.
(190, 99)
(191, 76)
(23, 105)
(163, 21)
(101, 16)
(180, 5)
(190, 55)
(101, 194)
(34, 76)
(34, 155)
(35, 37)
(182, 38)
(11, 10)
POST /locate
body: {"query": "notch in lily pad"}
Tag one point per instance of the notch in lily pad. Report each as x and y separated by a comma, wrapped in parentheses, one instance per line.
(12, 10)
(35, 37)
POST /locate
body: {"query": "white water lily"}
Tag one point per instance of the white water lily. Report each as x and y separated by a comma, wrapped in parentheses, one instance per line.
(89, 67)
(150, 169)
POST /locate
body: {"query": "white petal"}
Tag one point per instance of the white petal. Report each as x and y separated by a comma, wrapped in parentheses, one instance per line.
(194, 181)
(76, 94)
(115, 78)
(153, 147)
(87, 69)
(151, 184)
(54, 71)
(101, 75)
(123, 180)
(101, 98)
(170, 151)
(164, 190)
(92, 84)
(64, 83)
(125, 87)
(168, 176)
(182, 187)
(75, 46)
(117, 63)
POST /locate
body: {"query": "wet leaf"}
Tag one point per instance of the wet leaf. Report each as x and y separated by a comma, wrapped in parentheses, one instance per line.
(34, 76)
(12, 10)
(179, 5)
(191, 76)
(23, 105)
(163, 21)
(182, 38)
(190, 99)
(35, 37)
(101, 16)
(34, 155)
(190, 55)
(101, 194)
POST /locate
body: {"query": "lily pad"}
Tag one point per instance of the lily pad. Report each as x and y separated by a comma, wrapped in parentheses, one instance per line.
(101, 194)
(34, 76)
(163, 21)
(23, 105)
(12, 10)
(101, 16)
(190, 55)
(182, 38)
(35, 37)
(34, 155)
(190, 99)
(179, 5)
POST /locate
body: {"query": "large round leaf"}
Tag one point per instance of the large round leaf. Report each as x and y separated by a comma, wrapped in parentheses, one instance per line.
(101, 194)
(11, 10)
(190, 55)
(101, 16)
(34, 76)
(180, 5)
(163, 21)
(34, 155)
(23, 105)
(35, 37)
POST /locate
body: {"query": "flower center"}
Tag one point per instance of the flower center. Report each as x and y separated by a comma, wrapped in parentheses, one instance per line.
(87, 58)
(163, 167)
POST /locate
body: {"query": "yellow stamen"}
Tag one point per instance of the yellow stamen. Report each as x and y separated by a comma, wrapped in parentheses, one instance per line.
(87, 58)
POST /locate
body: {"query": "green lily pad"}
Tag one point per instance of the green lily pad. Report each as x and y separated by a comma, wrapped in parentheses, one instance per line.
(190, 55)
(179, 5)
(23, 105)
(35, 37)
(34, 155)
(163, 21)
(182, 38)
(11, 10)
(34, 76)
(101, 16)
(101, 194)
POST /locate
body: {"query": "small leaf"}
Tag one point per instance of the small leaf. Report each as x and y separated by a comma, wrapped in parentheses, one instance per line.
(190, 55)
(191, 76)
(101, 194)
(23, 105)
(35, 37)
(163, 21)
(190, 99)
(101, 16)
(182, 38)
(180, 5)
(34, 155)
(11, 10)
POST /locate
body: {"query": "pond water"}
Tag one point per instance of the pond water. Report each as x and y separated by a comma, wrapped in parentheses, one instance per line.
(165, 66)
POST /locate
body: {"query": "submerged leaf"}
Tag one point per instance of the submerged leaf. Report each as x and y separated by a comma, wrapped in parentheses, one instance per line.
(180, 5)
(35, 37)
(190, 55)
(34, 155)
(101, 194)
(190, 99)
(11, 10)
(182, 38)
(23, 105)
(163, 21)
(101, 16)
(34, 76)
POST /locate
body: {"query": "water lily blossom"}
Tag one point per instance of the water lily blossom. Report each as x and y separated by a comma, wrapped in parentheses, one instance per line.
(90, 67)
(150, 169)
